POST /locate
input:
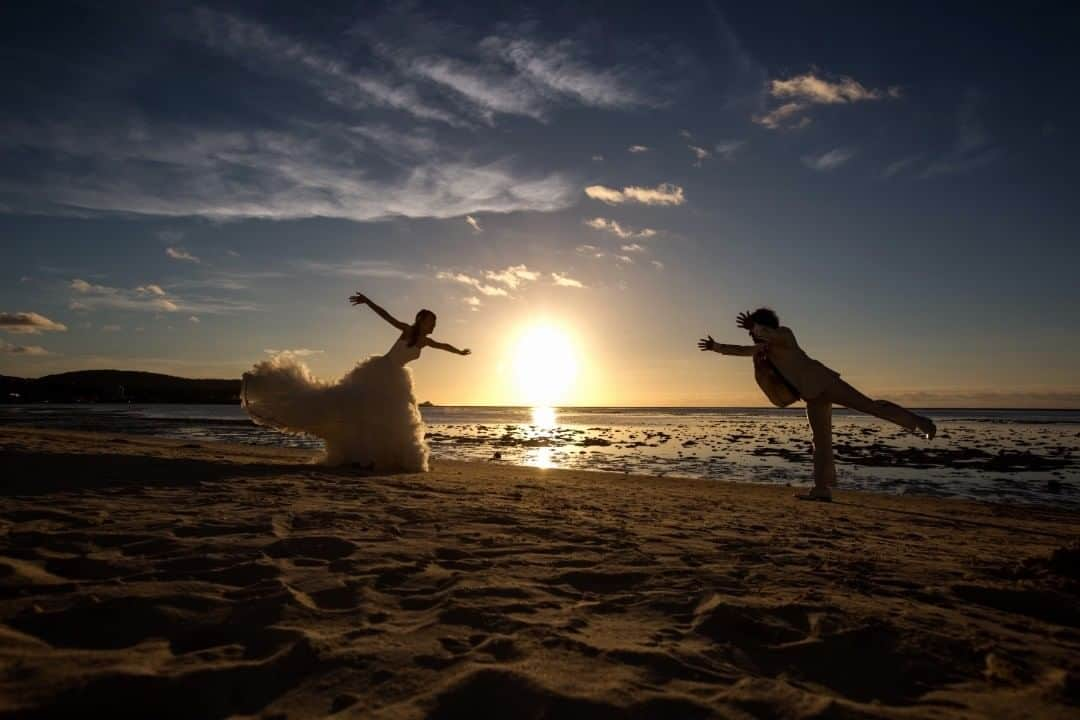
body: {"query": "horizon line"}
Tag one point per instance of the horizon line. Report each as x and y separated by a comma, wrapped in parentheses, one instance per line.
(1062, 408)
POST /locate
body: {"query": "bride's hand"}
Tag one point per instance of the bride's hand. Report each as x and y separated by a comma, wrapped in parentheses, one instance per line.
(466, 351)
(744, 321)
(358, 299)
(706, 343)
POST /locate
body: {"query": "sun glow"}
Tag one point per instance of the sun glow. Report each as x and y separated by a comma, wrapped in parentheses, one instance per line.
(545, 366)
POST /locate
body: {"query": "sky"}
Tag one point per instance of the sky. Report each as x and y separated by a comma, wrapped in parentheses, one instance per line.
(191, 188)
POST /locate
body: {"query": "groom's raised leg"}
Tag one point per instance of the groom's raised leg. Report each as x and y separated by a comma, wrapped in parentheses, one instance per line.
(843, 394)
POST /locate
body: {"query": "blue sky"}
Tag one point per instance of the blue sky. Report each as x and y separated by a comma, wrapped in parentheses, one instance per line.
(183, 188)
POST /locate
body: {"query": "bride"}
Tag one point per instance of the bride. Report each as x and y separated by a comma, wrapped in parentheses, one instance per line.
(369, 417)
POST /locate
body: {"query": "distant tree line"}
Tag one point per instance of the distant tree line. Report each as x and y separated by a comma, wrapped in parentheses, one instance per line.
(117, 386)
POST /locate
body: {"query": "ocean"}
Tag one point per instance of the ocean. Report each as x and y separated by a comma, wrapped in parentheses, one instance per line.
(1014, 456)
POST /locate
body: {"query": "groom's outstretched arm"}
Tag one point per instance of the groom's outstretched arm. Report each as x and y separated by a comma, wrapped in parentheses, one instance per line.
(707, 343)
(743, 350)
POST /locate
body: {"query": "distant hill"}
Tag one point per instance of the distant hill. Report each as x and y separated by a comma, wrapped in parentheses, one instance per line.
(111, 386)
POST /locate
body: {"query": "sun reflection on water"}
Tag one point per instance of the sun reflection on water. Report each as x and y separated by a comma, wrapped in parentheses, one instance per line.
(543, 424)
(544, 417)
(541, 457)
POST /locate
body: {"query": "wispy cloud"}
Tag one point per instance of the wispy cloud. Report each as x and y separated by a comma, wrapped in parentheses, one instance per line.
(956, 164)
(973, 148)
(558, 69)
(473, 223)
(386, 119)
(500, 283)
(611, 196)
(28, 323)
(513, 75)
(905, 163)
(657, 264)
(367, 141)
(317, 169)
(812, 88)
(633, 248)
(266, 51)
(91, 296)
(295, 352)
(613, 227)
(147, 298)
(473, 282)
(493, 283)
(829, 160)
(180, 254)
(231, 281)
(700, 154)
(728, 148)
(513, 276)
(563, 280)
(13, 349)
(663, 194)
(359, 268)
(635, 149)
(480, 77)
(488, 94)
(785, 113)
(799, 93)
(590, 250)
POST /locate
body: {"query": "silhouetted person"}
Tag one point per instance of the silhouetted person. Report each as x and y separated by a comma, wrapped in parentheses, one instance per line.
(368, 418)
(818, 385)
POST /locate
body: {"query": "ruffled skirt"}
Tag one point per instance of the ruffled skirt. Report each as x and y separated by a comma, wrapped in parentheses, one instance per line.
(369, 417)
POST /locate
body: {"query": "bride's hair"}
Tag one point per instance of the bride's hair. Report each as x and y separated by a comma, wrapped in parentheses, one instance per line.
(766, 317)
(414, 331)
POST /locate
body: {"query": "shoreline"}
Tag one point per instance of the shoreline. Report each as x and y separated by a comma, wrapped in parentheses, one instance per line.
(174, 578)
(1028, 464)
(798, 407)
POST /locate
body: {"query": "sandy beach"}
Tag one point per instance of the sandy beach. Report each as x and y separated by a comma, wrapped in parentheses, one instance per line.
(142, 577)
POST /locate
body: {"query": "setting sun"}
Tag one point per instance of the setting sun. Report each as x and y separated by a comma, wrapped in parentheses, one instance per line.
(545, 365)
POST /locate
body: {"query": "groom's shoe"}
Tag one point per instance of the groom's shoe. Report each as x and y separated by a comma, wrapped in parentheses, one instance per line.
(816, 493)
(927, 428)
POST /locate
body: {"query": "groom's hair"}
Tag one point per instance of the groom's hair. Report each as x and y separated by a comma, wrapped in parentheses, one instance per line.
(766, 317)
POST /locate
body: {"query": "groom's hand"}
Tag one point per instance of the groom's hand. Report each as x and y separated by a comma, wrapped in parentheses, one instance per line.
(706, 343)
(744, 321)
(358, 299)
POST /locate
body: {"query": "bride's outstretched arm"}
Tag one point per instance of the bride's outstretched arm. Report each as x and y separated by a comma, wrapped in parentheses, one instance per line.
(448, 347)
(361, 299)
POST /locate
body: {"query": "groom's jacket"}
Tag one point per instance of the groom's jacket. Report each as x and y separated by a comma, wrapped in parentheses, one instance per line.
(809, 376)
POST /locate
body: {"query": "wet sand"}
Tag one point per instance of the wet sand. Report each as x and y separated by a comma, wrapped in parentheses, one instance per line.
(142, 577)
(1028, 457)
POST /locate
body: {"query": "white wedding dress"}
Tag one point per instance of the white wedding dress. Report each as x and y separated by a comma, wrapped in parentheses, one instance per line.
(369, 417)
